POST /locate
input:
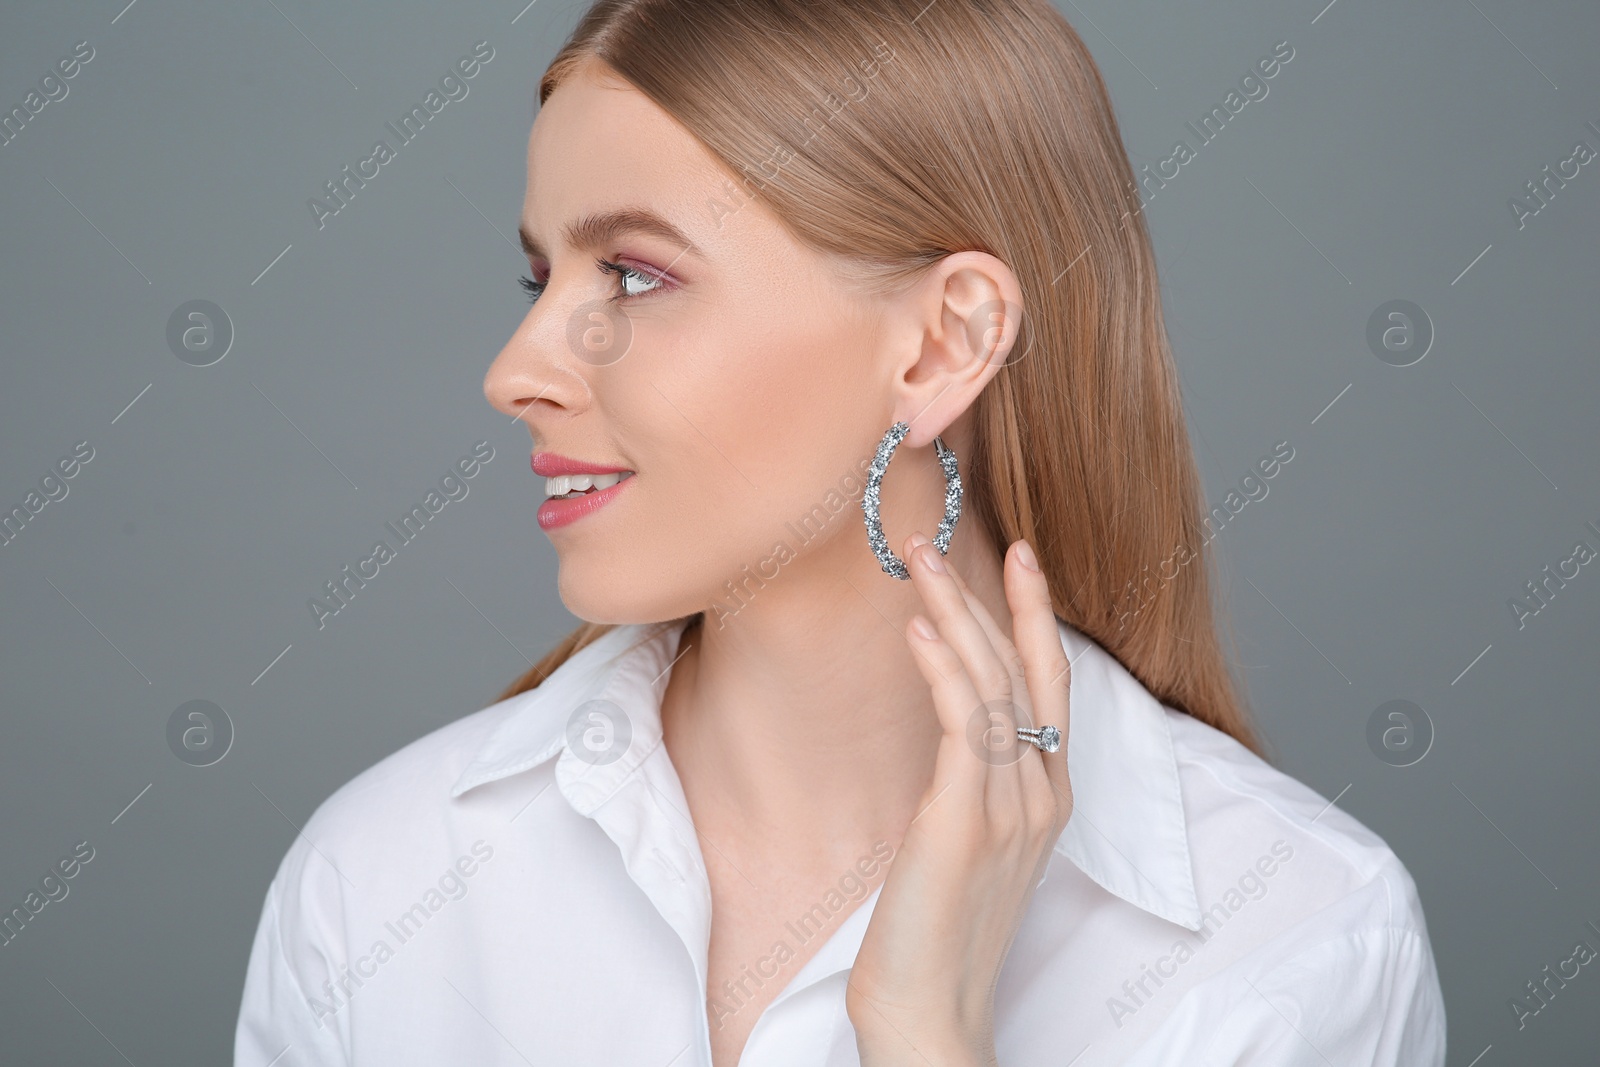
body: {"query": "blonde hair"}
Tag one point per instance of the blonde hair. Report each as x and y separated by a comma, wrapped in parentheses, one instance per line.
(892, 133)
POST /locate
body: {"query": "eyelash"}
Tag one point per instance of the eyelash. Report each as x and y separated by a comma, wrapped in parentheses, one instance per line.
(535, 289)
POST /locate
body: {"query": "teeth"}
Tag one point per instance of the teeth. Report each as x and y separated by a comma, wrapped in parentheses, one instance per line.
(578, 484)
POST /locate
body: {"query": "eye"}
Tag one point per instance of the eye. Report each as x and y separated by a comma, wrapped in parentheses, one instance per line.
(531, 287)
(631, 277)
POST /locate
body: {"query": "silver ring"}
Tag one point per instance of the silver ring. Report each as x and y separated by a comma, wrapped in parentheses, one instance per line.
(1044, 738)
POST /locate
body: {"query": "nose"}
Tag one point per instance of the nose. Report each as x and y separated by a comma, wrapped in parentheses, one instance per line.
(529, 379)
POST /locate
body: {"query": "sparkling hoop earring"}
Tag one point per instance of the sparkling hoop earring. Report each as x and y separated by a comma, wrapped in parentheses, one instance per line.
(892, 564)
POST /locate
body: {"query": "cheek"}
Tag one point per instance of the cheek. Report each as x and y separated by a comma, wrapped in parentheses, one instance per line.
(756, 412)
(770, 374)
(775, 425)
(749, 444)
(712, 427)
(766, 404)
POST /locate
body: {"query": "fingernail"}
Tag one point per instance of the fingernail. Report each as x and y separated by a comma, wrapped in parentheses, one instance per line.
(1026, 557)
(924, 628)
(932, 560)
(917, 539)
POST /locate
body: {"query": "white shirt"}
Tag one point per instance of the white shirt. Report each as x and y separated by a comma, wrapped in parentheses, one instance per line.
(448, 906)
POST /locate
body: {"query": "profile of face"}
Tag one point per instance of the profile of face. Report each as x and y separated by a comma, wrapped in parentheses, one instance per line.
(738, 373)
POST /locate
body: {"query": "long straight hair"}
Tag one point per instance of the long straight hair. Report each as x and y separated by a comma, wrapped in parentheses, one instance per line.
(892, 133)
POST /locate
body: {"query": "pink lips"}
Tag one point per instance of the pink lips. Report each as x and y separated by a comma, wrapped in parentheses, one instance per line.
(556, 512)
(553, 465)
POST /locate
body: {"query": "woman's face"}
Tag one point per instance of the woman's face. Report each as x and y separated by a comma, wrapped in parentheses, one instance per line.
(729, 368)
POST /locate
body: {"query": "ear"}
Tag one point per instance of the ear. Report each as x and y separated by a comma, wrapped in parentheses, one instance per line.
(960, 322)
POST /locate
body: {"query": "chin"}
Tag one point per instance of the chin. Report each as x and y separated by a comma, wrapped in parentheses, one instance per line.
(600, 593)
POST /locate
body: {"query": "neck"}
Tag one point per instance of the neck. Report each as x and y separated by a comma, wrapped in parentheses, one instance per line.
(800, 725)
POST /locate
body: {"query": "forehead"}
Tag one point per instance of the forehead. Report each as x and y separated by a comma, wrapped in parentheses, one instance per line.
(598, 143)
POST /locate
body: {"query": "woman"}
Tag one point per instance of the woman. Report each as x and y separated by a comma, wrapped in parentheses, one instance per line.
(812, 801)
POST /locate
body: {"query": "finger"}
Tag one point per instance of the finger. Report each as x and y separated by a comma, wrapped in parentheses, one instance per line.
(952, 694)
(1003, 646)
(948, 609)
(996, 685)
(957, 624)
(1049, 673)
(1006, 788)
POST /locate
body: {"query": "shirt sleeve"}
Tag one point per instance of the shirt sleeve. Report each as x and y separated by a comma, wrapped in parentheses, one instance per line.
(277, 1025)
(1368, 997)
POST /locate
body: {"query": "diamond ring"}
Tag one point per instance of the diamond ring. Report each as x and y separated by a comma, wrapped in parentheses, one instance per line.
(1044, 738)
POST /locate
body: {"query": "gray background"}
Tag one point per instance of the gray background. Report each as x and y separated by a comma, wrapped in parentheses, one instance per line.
(1420, 499)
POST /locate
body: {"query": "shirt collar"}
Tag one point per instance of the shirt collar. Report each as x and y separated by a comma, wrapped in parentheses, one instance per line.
(1128, 831)
(539, 721)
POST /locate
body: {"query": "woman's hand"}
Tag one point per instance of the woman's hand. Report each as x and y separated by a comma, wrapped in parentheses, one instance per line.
(922, 988)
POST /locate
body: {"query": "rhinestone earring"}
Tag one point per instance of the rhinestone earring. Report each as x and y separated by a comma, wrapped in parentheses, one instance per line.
(892, 564)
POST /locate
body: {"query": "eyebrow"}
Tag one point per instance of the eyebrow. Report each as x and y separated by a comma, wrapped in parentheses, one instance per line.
(600, 227)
